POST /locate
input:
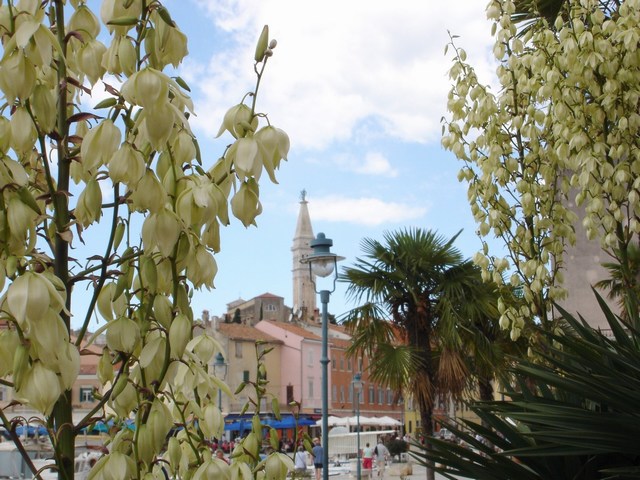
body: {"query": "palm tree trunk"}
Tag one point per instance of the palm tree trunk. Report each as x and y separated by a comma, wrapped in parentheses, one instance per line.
(426, 420)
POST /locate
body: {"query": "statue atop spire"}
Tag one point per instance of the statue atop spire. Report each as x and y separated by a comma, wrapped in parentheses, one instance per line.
(303, 195)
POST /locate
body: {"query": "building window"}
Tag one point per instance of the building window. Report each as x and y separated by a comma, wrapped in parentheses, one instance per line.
(310, 358)
(348, 364)
(238, 349)
(86, 394)
(342, 363)
(372, 395)
(380, 396)
(333, 363)
(3, 396)
(351, 394)
(342, 394)
(334, 393)
(311, 388)
(290, 394)
(245, 376)
(270, 307)
(389, 397)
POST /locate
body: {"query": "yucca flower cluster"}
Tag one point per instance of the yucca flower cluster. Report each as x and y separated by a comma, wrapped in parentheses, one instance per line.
(56, 164)
(557, 139)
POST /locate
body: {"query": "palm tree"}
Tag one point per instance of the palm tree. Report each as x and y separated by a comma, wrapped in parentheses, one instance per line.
(415, 291)
(578, 419)
(623, 285)
(490, 351)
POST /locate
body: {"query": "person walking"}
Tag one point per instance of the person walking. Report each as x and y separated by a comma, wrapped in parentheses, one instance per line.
(382, 455)
(367, 457)
(300, 460)
(318, 455)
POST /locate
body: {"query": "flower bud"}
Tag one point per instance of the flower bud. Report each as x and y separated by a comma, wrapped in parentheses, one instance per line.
(127, 165)
(104, 301)
(114, 466)
(245, 204)
(203, 347)
(162, 310)
(89, 207)
(28, 297)
(20, 219)
(234, 120)
(84, 22)
(262, 45)
(40, 388)
(68, 364)
(105, 367)
(161, 230)
(202, 268)
(5, 134)
(113, 9)
(179, 335)
(149, 194)
(17, 76)
(152, 357)
(184, 149)
(23, 131)
(241, 471)
(99, 145)
(211, 236)
(160, 423)
(123, 335)
(247, 157)
(90, 60)
(251, 445)
(156, 124)
(211, 422)
(43, 105)
(9, 341)
(148, 88)
(275, 143)
(127, 56)
(144, 441)
(168, 47)
(277, 466)
(124, 402)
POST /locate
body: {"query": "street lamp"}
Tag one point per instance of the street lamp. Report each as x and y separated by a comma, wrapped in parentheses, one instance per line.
(322, 263)
(357, 388)
(220, 370)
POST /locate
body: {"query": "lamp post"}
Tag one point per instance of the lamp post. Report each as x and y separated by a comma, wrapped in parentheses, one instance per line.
(220, 370)
(322, 263)
(357, 388)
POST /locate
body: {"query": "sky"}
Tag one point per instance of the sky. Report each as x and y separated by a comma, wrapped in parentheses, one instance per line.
(360, 87)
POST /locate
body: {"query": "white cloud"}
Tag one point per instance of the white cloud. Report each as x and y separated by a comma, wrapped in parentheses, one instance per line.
(367, 211)
(340, 63)
(372, 163)
(376, 164)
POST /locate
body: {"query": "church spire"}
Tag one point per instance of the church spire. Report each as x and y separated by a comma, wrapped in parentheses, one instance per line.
(304, 294)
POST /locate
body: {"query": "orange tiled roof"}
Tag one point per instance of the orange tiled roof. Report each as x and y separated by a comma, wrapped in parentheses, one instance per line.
(237, 331)
(295, 329)
(340, 343)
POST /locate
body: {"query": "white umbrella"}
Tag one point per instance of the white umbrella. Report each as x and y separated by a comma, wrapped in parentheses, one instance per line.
(392, 422)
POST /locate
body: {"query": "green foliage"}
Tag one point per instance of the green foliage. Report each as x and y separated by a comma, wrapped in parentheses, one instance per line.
(552, 153)
(573, 414)
(157, 243)
(397, 446)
